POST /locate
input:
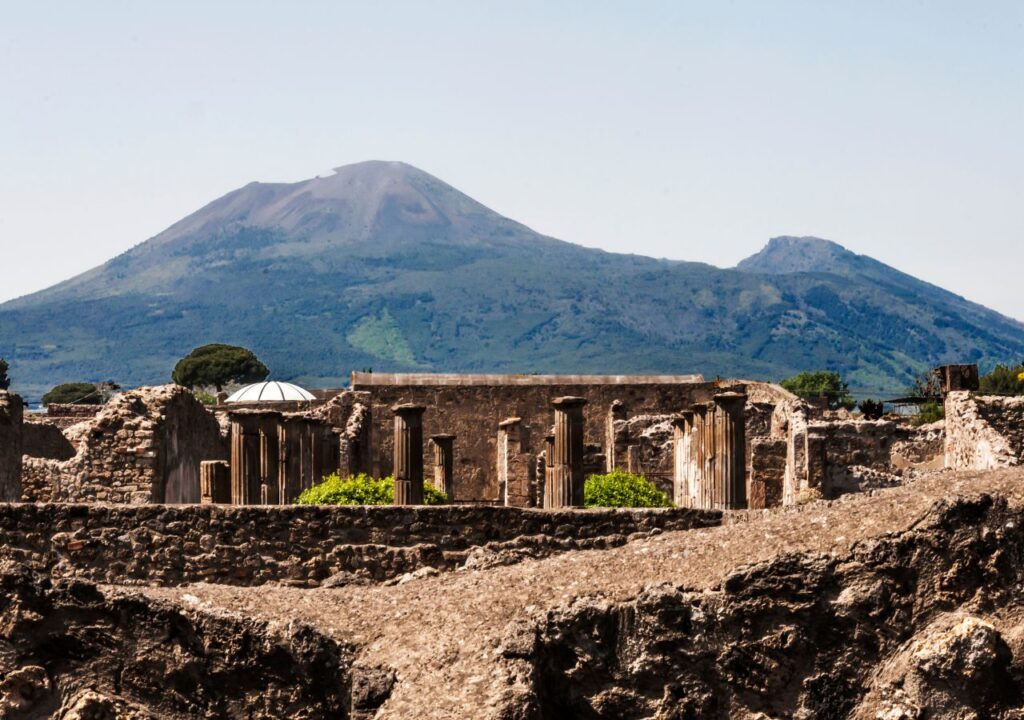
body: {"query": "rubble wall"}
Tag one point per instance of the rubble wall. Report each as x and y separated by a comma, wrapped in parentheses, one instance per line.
(825, 459)
(767, 472)
(11, 424)
(983, 431)
(144, 446)
(299, 544)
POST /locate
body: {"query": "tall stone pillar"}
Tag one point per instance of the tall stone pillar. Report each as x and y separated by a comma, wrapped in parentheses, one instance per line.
(565, 485)
(682, 470)
(269, 462)
(408, 454)
(245, 462)
(444, 464)
(729, 486)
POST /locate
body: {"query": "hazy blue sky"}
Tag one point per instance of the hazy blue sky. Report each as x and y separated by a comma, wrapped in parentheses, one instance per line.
(678, 129)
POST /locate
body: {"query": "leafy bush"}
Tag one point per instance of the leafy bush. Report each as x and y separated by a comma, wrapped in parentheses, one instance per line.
(218, 365)
(622, 489)
(1003, 380)
(362, 489)
(821, 383)
(871, 409)
(929, 412)
(5, 381)
(76, 393)
(206, 398)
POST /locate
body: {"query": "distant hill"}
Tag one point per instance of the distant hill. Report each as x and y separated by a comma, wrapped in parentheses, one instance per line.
(383, 266)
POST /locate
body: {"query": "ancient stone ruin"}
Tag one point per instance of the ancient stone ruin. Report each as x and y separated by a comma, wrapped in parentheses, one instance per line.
(153, 562)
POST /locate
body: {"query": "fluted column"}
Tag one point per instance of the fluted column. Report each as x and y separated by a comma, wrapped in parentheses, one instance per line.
(682, 471)
(565, 482)
(408, 454)
(444, 464)
(730, 478)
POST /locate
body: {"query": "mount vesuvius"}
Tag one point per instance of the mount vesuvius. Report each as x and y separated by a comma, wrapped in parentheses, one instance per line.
(382, 265)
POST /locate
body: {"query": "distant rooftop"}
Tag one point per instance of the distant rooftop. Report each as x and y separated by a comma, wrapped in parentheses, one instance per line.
(364, 379)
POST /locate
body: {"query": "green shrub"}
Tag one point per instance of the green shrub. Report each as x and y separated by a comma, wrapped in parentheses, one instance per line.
(1003, 380)
(622, 489)
(362, 489)
(5, 381)
(821, 384)
(929, 412)
(74, 394)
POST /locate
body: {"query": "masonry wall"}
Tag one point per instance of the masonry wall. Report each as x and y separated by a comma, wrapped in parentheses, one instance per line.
(144, 446)
(983, 431)
(299, 545)
(825, 459)
(11, 413)
(43, 438)
(767, 473)
(471, 407)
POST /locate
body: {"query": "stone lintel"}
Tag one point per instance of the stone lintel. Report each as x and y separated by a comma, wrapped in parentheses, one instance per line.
(569, 401)
(507, 422)
(408, 409)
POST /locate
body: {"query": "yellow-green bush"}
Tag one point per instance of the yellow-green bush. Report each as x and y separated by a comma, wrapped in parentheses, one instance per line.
(622, 489)
(362, 489)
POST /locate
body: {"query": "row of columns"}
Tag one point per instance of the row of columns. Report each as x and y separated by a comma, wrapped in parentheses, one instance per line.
(710, 455)
(563, 486)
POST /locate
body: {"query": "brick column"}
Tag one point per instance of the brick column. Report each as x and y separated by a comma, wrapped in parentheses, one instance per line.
(565, 482)
(444, 464)
(408, 454)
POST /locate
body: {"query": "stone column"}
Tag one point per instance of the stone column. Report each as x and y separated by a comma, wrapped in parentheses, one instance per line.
(408, 454)
(544, 470)
(612, 440)
(269, 462)
(214, 482)
(565, 485)
(245, 462)
(729, 486)
(444, 464)
(682, 459)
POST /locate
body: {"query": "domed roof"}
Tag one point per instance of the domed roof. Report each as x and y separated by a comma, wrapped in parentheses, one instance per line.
(270, 392)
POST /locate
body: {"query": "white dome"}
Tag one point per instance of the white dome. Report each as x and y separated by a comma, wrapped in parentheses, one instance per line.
(270, 392)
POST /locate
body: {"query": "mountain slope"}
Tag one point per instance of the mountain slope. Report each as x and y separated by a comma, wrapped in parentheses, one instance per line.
(382, 265)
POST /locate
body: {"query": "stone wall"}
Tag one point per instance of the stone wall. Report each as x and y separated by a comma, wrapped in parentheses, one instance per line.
(300, 544)
(825, 459)
(43, 438)
(65, 415)
(767, 472)
(983, 431)
(11, 414)
(144, 446)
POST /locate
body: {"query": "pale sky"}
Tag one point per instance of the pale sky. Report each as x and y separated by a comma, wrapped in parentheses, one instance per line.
(687, 130)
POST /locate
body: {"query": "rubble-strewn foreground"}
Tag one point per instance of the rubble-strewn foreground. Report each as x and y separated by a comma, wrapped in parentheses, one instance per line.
(901, 603)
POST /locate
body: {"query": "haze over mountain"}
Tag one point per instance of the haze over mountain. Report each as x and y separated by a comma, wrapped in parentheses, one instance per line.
(382, 265)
